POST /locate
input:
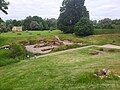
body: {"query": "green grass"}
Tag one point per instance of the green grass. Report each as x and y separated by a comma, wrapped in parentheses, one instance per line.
(5, 58)
(10, 37)
(106, 31)
(30, 34)
(13, 55)
(35, 36)
(71, 70)
(66, 71)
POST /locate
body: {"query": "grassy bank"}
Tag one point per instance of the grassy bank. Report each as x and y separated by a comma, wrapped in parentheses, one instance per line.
(16, 53)
(5, 58)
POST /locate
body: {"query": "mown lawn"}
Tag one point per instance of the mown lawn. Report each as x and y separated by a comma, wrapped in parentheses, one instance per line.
(66, 71)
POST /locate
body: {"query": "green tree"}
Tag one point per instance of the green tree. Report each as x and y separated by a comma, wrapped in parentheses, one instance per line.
(105, 23)
(40, 26)
(116, 23)
(9, 24)
(45, 25)
(38, 19)
(70, 13)
(34, 25)
(27, 22)
(52, 23)
(95, 24)
(4, 6)
(3, 27)
(31, 20)
(84, 27)
(1, 21)
(16, 23)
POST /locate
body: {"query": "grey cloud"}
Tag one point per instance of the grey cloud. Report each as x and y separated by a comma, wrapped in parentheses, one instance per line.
(19, 9)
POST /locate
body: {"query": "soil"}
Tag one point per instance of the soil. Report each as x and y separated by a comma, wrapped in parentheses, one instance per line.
(110, 46)
(44, 48)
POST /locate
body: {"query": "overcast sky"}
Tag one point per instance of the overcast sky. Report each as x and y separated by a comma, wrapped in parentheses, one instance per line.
(99, 9)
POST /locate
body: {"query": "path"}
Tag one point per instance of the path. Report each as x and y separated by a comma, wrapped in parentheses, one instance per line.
(70, 50)
(60, 52)
(110, 46)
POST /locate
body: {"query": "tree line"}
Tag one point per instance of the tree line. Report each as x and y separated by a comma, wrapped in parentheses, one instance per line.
(29, 23)
(37, 23)
(73, 18)
(107, 23)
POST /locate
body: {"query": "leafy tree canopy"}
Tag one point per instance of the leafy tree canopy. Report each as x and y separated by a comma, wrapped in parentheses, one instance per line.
(1, 20)
(84, 27)
(70, 13)
(105, 23)
(4, 6)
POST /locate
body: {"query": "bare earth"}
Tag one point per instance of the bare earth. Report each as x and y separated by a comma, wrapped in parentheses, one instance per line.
(44, 49)
(31, 48)
(109, 46)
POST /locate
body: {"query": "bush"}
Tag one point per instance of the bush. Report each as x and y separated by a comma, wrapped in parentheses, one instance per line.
(5, 57)
(65, 47)
(84, 27)
(101, 49)
(18, 51)
(66, 28)
(13, 55)
(19, 34)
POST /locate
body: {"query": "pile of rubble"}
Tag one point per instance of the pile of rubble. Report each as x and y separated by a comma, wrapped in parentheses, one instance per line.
(103, 73)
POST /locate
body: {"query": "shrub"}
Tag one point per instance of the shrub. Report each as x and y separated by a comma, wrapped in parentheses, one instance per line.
(19, 34)
(31, 42)
(13, 55)
(84, 27)
(101, 49)
(65, 47)
(5, 57)
(18, 51)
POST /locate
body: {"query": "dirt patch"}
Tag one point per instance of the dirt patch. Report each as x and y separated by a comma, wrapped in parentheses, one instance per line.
(39, 50)
(96, 52)
(109, 46)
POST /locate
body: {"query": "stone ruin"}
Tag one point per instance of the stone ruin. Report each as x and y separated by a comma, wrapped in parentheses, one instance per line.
(44, 47)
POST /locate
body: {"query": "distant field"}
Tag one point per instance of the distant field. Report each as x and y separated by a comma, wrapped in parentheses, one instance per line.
(67, 71)
(106, 31)
(30, 34)
(6, 38)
